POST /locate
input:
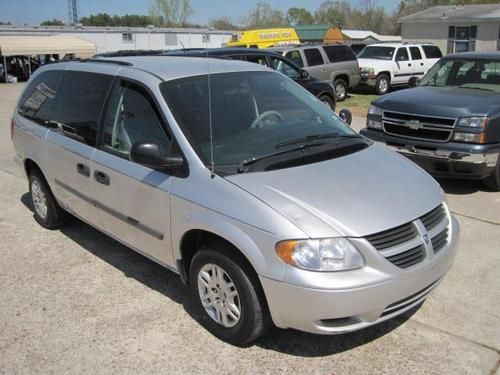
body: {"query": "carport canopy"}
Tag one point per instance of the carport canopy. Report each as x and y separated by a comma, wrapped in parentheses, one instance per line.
(44, 45)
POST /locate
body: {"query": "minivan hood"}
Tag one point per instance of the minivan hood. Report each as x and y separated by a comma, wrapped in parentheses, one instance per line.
(355, 195)
(440, 101)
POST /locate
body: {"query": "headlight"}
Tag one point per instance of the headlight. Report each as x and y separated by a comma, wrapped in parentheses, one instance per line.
(473, 122)
(469, 137)
(374, 110)
(331, 254)
(367, 71)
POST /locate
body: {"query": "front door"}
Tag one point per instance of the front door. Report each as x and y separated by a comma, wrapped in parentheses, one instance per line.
(403, 67)
(133, 199)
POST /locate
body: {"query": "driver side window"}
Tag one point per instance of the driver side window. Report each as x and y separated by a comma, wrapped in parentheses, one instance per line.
(131, 118)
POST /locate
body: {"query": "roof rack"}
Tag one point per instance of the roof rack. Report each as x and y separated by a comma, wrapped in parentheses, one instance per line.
(106, 61)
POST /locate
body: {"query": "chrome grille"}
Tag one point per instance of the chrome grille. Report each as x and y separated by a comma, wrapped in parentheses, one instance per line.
(418, 127)
(404, 246)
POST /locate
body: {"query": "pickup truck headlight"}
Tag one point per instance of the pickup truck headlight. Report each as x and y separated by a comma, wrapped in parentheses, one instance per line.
(374, 118)
(329, 254)
(472, 122)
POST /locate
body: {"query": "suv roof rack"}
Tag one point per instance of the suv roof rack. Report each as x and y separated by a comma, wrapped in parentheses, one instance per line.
(106, 61)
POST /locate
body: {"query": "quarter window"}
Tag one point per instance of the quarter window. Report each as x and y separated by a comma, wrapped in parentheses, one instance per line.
(432, 52)
(313, 57)
(131, 118)
(339, 53)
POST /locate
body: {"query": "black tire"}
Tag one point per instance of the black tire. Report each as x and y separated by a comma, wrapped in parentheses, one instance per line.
(340, 89)
(383, 84)
(328, 101)
(493, 180)
(55, 216)
(254, 318)
(346, 115)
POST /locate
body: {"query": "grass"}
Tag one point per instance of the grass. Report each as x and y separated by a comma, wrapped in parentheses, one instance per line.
(357, 103)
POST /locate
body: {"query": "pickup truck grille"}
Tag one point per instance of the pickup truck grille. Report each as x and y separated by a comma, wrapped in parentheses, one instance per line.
(404, 247)
(427, 128)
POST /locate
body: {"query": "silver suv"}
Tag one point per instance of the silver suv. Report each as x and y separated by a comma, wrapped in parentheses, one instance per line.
(335, 64)
(265, 203)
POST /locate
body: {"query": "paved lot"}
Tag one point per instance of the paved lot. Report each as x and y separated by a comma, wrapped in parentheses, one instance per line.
(75, 301)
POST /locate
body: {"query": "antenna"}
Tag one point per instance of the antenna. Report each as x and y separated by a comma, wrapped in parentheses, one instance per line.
(212, 164)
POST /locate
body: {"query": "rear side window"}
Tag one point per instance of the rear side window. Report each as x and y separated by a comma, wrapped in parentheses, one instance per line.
(38, 99)
(415, 53)
(313, 57)
(339, 53)
(295, 57)
(432, 52)
(79, 103)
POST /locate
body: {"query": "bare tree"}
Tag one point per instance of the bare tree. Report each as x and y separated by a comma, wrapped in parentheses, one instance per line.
(263, 15)
(171, 12)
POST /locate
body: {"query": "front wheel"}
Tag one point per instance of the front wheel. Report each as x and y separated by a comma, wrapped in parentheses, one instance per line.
(328, 101)
(383, 84)
(226, 295)
(493, 180)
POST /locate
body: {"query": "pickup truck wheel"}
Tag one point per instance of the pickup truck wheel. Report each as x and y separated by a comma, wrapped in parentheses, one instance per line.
(493, 180)
(225, 295)
(383, 84)
(46, 210)
(340, 89)
(328, 101)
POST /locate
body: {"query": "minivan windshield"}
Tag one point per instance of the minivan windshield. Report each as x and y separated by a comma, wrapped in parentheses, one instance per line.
(468, 73)
(379, 53)
(254, 115)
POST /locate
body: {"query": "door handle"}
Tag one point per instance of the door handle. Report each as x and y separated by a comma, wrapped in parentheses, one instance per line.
(83, 169)
(409, 64)
(421, 64)
(101, 177)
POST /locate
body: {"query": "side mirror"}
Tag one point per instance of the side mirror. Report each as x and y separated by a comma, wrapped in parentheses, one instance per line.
(414, 81)
(346, 115)
(150, 155)
(304, 74)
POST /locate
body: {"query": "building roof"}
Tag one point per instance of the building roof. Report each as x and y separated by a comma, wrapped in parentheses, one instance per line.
(8, 29)
(462, 13)
(366, 34)
(41, 45)
(173, 67)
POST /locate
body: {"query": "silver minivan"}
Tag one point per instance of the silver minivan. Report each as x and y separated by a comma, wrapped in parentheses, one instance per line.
(269, 207)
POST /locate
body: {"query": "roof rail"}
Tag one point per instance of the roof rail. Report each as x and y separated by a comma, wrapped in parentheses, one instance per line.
(106, 61)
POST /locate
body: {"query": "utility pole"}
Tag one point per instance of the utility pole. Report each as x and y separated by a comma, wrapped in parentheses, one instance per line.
(73, 12)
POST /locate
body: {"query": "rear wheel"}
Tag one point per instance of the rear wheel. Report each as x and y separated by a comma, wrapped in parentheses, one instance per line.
(226, 295)
(328, 101)
(383, 84)
(340, 89)
(493, 180)
(46, 210)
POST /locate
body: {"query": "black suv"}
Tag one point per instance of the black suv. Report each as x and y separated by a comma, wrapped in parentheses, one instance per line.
(450, 123)
(322, 90)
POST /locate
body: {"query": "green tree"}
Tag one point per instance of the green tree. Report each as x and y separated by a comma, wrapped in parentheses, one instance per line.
(54, 22)
(171, 13)
(299, 16)
(263, 15)
(222, 23)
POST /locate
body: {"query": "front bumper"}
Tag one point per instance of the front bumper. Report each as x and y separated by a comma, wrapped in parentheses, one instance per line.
(368, 80)
(339, 302)
(451, 159)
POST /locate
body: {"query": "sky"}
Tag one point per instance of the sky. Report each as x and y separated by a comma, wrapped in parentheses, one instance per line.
(32, 12)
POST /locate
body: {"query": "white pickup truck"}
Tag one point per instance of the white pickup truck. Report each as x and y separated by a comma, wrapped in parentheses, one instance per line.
(384, 65)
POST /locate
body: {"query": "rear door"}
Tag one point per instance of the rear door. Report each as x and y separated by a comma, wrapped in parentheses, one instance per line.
(133, 200)
(316, 64)
(418, 63)
(403, 67)
(71, 140)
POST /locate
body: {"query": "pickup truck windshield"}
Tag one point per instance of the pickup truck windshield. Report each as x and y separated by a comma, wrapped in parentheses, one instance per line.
(379, 53)
(252, 115)
(472, 74)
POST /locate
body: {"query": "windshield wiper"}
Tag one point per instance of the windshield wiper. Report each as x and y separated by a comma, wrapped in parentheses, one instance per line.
(242, 164)
(314, 137)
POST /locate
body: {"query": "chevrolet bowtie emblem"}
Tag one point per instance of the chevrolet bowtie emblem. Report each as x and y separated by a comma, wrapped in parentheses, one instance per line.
(414, 124)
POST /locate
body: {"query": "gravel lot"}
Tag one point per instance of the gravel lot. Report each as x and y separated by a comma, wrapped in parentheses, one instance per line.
(75, 301)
